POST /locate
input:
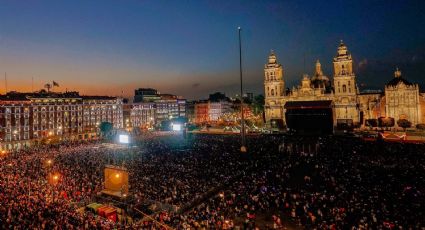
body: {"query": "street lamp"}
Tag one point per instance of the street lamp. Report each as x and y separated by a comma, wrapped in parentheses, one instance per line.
(54, 180)
(243, 146)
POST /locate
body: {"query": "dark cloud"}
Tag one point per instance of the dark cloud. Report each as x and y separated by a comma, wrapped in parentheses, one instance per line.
(376, 73)
(196, 85)
(363, 63)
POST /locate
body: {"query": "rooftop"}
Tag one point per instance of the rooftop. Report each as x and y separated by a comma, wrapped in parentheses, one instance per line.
(26, 96)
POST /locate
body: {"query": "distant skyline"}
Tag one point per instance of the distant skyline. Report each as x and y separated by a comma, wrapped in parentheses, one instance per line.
(190, 48)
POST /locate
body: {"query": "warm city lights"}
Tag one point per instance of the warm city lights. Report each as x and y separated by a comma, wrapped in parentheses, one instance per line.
(212, 115)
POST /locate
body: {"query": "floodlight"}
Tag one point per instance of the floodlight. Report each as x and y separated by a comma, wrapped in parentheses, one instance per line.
(124, 139)
(176, 127)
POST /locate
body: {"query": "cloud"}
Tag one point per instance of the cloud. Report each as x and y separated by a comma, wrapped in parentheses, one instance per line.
(196, 85)
(363, 63)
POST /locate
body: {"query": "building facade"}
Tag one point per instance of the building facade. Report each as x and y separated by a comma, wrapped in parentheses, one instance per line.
(274, 87)
(167, 106)
(345, 88)
(139, 115)
(26, 118)
(208, 111)
(400, 100)
(201, 112)
(145, 95)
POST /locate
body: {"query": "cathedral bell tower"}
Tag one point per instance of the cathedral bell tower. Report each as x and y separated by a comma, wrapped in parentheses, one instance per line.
(344, 78)
(345, 87)
(274, 88)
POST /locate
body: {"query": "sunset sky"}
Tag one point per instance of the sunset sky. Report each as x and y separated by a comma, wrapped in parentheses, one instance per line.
(190, 48)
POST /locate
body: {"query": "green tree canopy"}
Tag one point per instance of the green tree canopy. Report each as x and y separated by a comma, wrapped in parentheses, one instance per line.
(404, 123)
(106, 128)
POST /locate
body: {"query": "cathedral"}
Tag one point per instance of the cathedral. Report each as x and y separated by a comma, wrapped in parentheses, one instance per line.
(400, 99)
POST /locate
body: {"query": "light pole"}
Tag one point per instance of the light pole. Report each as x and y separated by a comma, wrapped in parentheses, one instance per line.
(243, 147)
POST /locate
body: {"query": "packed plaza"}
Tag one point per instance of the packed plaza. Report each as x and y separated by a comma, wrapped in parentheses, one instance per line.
(204, 115)
(201, 181)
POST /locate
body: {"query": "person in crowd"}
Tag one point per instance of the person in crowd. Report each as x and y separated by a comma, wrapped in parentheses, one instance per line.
(204, 182)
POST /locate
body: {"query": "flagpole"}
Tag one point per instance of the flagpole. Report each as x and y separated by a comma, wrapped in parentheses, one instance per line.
(5, 82)
(243, 145)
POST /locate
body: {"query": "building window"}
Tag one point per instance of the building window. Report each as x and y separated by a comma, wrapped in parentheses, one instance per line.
(344, 88)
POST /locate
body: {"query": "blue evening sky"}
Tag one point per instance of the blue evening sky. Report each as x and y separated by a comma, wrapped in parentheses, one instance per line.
(190, 48)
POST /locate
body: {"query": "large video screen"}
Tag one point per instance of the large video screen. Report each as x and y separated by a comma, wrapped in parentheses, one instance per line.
(123, 139)
(177, 127)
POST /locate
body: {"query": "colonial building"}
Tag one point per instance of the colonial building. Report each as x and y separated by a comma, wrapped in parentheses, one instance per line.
(208, 111)
(167, 106)
(98, 109)
(274, 88)
(29, 117)
(139, 115)
(345, 88)
(201, 112)
(401, 100)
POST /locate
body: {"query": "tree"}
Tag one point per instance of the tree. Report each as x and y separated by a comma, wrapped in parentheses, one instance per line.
(404, 123)
(258, 104)
(385, 122)
(371, 123)
(106, 128)
(420, 126)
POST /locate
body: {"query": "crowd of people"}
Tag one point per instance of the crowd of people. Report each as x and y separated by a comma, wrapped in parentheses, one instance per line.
(334, 183)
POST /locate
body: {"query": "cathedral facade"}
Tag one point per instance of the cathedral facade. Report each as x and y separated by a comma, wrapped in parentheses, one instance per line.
(400, 100)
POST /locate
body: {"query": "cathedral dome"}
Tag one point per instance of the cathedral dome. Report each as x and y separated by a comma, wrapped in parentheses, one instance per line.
(398, 78)
(319, 80)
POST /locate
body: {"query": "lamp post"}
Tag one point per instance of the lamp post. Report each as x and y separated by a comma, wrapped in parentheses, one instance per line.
(243, 147)
(54, 181)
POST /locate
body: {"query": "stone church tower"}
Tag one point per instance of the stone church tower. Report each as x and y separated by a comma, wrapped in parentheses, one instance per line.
(345, 87)
(274, 88)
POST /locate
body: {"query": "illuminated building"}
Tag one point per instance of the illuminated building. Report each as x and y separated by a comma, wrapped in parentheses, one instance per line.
(345, 88)
(213, 109)
(145, 95)
(274, 88)
(402, 99)
(26, 118)
(201, 112)
(140, 115)
(167, 106)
